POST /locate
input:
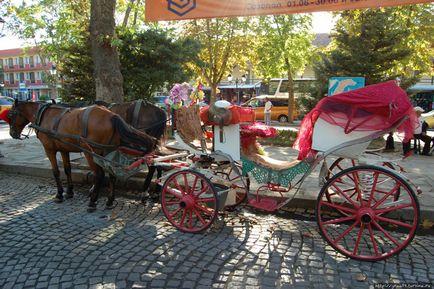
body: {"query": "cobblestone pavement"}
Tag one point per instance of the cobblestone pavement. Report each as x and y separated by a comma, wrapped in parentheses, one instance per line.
(49, 245)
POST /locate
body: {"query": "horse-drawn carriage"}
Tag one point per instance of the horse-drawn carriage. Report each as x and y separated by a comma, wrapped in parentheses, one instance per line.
(367, 212)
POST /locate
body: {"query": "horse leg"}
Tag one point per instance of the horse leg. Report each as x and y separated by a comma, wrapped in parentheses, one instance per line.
(111, 196)
(98, 178)
(54, 167)
(67, 168)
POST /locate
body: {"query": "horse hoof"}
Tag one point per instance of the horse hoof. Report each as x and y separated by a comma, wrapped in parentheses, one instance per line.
(91, 209)
(58, 200)
(69, 196)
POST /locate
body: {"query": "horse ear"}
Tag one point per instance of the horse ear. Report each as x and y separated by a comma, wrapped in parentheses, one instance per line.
(53, 101)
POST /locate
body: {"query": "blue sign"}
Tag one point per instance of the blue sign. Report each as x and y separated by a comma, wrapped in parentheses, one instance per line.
(181, 7)
(22, 87)
(342, 84)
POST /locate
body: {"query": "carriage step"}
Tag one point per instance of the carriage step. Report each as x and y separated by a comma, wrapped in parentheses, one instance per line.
(265, 204)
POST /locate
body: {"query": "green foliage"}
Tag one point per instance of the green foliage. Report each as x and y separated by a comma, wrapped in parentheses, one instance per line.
(283, 44)
(225, 43)
(152, 60)
(379, 44)
(283, 138)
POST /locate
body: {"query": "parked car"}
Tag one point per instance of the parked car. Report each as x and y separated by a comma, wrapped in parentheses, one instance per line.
(6, 102)
(279, 111)
(429, 118)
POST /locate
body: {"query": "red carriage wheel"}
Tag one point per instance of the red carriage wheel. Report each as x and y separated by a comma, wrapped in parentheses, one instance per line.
(377, 224)
(189, 201)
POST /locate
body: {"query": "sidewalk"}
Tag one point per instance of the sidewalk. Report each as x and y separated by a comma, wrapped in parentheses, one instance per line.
(27, 157)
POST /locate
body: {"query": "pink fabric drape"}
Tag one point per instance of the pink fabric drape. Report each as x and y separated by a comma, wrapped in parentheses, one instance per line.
(371, 108)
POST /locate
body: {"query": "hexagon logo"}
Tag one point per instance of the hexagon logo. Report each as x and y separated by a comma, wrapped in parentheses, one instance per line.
(181, 7)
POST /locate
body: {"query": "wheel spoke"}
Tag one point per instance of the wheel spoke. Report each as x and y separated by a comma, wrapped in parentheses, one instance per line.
(176, 212)
(393, 208)
(339, 207)
(205, 210)
(395, 222)
(386, 196)
(194, 185)
(371, 194)
(385, 233)
(186, 190)
(172, 203)
(184, 213)
(359, 236)
(340, 220)
(173, 192)
(357, 187)
(340, 192)
(199, 216)
(190, 218)
(202, 191)
(374, 243)
(178, 186)
(345, 232)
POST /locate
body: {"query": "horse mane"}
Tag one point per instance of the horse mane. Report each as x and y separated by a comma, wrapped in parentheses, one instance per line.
(131, 137)
(156, 119)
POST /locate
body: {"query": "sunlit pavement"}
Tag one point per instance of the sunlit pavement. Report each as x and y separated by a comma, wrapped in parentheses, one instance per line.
(49, 245)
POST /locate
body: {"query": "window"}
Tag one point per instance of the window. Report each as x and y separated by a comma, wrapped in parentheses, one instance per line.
(32, 77)
(6, 101)
(21, 76)
(274, 84)
(32, 64)
(38, 75)
(11, 78)
(1, 63)
(21, 62)
(284, 86)
(11, 63)
(7, 76)
(280, 102)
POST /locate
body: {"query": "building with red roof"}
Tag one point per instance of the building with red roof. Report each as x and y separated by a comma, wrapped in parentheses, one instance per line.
(26, 74)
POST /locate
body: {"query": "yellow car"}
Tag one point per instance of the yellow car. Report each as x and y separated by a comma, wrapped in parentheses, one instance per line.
(429, 118)
(279, 111)
(6, 103)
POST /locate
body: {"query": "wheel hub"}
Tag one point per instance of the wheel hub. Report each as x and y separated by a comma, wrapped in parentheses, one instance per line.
(365, 215)
(187, 202)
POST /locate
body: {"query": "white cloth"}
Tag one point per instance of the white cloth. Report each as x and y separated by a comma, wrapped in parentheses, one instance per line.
(418, 128)
(267, 107)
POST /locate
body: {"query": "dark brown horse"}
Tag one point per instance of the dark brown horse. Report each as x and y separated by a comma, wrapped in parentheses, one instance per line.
(67, 130)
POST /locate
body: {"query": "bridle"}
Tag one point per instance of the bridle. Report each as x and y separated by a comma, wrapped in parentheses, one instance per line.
(12, 115)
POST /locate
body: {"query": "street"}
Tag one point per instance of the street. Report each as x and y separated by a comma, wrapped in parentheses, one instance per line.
(49, 245)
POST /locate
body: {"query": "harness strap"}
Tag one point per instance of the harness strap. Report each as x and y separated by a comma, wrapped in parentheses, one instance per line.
(59, 118)
(137, 106)
(42, 108)
(85, 120)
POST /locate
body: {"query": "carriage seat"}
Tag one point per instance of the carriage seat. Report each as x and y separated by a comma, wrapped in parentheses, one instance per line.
(189, 133)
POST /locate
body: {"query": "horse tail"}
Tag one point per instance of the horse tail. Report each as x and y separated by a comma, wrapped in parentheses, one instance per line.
(131, 137)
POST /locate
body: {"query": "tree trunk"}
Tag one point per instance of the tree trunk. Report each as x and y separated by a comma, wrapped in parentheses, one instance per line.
(108, 77)
(127, 13)
(291, 99)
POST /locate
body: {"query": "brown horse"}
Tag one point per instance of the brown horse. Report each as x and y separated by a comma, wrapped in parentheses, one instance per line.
(67, 130)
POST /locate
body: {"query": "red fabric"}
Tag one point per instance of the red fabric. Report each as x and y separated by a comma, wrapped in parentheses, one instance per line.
(4, 115)
(239, 114)
(371, 108)
(249, 132)
(257, 129)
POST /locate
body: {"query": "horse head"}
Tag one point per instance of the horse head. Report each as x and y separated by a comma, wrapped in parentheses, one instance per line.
(17, 119)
